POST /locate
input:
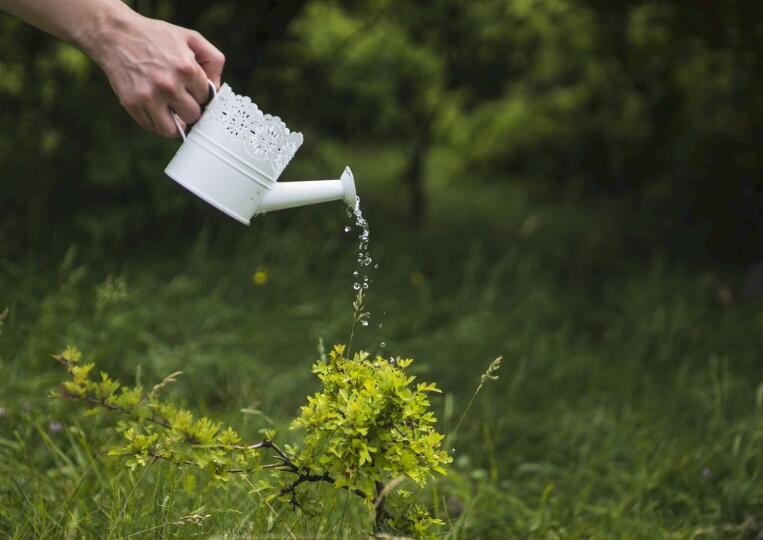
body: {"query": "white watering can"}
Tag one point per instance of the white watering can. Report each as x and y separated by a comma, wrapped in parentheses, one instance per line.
(234, 154)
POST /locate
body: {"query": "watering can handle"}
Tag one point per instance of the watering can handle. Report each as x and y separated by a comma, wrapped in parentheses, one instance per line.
(213, 93)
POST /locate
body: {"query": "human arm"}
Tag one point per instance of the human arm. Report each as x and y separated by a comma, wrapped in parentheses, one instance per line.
(151, 65)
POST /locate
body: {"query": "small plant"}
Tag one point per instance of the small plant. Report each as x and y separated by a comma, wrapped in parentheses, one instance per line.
(490, 374)
(369, 426)
(3, 315)
(366, 431)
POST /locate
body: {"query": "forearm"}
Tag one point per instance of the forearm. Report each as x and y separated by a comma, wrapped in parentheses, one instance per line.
(82, 23)
(154, 67)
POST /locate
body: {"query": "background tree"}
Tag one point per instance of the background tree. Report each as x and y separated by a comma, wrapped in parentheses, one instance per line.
(655, 101)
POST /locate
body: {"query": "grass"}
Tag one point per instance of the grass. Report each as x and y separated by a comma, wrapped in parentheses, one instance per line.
(629, 404)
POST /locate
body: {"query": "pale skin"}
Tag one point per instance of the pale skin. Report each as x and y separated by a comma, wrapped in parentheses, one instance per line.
(154, 67)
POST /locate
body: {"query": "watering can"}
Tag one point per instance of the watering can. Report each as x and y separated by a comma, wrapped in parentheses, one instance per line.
(234, 154)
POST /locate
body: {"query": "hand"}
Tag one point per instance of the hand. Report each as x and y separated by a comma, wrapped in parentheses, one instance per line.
(154, 66)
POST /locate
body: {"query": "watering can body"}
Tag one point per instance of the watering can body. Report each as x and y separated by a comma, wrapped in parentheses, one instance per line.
(233, 156)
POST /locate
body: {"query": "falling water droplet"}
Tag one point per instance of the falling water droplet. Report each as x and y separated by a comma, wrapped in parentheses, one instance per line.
(381, 324)
(364, 259)
(382, 345)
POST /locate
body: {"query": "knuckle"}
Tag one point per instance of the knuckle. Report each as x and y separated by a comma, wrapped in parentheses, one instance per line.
(135, 100)
(128, 102)
(144, 96)
(186, 67)
(164, 84)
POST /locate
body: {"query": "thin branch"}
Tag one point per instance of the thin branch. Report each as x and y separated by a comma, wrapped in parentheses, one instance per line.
(277, 466)
(102, 403)
(157, 457)
(307, 477)
(382, 491)
(282, 455)
(274, 446)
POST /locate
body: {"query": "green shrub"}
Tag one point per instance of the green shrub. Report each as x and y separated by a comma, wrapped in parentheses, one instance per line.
(368, 430)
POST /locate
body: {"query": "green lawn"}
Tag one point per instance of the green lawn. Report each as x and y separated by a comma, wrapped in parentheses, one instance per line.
(629, 405)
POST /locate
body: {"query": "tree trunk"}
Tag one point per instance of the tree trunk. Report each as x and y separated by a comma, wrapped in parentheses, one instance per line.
(413, 178)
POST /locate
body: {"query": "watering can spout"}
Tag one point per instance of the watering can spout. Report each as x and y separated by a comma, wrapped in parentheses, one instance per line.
(291, 194)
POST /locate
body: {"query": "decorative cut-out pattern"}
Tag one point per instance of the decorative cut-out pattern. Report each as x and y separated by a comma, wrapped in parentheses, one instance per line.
(265, 137)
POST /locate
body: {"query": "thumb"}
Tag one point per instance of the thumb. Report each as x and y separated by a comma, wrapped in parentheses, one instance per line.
(208, 56)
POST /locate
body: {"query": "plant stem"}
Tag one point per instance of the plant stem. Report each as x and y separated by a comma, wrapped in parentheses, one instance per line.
(488, 375)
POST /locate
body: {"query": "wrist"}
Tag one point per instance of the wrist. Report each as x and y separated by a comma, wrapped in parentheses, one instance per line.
(104, 26)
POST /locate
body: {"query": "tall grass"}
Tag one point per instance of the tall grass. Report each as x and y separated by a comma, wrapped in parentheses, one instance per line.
(630, 402)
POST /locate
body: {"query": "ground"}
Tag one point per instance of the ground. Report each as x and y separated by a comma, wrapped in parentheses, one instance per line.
(629, 404)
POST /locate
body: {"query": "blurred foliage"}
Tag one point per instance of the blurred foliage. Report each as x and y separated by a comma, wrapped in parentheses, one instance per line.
(657, 101)
(629, 404)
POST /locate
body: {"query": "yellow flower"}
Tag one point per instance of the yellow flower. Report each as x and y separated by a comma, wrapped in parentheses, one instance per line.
(260, 277)
(417, 279)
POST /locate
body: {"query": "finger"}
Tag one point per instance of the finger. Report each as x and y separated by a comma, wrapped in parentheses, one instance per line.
(192, 78)
(161, 118)
(198, 86)
(186, 107)
(134, 106)
(140, 115)
(208, 56)
(182, 124)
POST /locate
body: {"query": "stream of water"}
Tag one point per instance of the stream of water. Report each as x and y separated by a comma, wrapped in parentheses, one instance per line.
(361, 281)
